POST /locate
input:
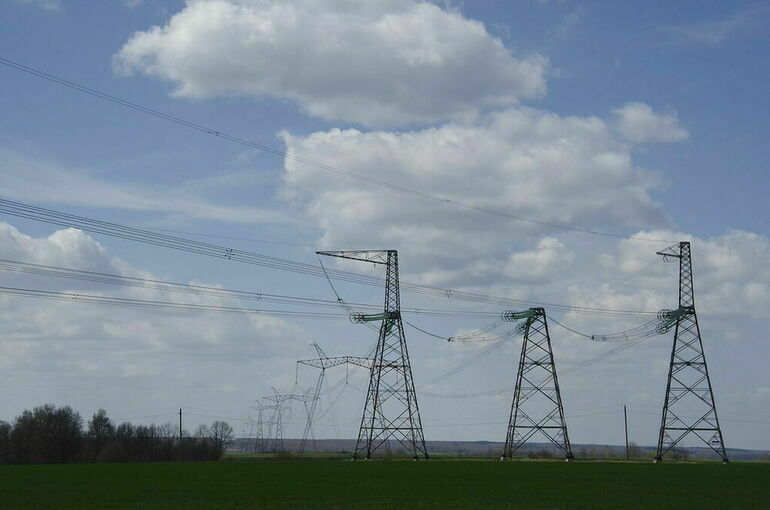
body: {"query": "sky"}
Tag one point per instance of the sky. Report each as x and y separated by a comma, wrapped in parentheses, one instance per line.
(643, 120)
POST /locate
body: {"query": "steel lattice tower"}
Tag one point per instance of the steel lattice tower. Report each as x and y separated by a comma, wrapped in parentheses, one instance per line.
(391, 410)
(280, 399)
(536, 403)
(689, 385)
(323, 362)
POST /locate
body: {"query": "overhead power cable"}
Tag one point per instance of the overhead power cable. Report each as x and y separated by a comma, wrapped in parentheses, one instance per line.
(465, 364)
(306, 161)
(166, 305)
(27, 211)
(217, 292)
(572, 368)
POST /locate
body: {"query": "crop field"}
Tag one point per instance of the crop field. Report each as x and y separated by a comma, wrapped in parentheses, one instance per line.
(434, 484)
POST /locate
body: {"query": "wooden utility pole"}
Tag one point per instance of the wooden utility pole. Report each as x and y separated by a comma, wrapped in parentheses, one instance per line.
(625, 420)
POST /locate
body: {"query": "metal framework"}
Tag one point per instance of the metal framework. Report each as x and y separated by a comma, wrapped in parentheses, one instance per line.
(537, 406)
(322, 363)
(280, 399)
(274, 424)
(257, 426)
(688, 389)
(391, 410)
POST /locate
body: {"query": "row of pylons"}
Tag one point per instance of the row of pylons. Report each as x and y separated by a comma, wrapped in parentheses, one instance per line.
(391, 412)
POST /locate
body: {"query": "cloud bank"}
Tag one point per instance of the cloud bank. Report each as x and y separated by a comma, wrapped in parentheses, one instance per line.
(375, 63)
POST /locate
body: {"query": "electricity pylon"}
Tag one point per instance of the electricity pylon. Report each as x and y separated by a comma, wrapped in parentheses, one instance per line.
(257, 426)
(391, 410)
(323, 362)
(536, 403)
(281, 398)
(276, 420)
(689, 385)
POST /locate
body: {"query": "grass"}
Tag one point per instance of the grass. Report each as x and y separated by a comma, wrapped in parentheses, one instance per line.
(340, 484)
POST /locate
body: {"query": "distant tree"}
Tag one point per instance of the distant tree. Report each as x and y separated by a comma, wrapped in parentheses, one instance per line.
(100, 431)
(202, 432)
(100, 427)
(47, 435)
(5, 442)
(221, 435)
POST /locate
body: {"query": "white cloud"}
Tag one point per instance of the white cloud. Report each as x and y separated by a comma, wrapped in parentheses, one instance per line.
(28, 180)
(522, 161)
(377, 63)
(638, 123)
(124, 358)
(731, 271)
(549, 257)
(69, 248)
(48, 5)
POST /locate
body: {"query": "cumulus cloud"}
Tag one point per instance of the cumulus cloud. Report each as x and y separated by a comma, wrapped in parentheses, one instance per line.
(376, 63)
(549, 257)
(525, 162)
(638, 123)
(69, 248)
(732, 277)
(122, 357)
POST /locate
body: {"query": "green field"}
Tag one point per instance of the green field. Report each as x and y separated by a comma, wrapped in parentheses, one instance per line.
(385, 484)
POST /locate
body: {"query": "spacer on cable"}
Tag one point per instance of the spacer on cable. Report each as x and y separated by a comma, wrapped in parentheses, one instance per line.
(357, 318)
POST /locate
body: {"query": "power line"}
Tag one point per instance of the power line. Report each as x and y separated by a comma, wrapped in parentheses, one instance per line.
(306, 161)
(166, 305)
(218, 292)
(28, 211)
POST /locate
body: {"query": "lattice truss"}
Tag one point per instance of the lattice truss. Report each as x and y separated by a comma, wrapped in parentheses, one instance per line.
(322, 362)
(391, 412)
(537, 409)
(689, 407)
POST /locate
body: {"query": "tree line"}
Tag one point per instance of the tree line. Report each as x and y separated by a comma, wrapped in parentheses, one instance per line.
(51, 435)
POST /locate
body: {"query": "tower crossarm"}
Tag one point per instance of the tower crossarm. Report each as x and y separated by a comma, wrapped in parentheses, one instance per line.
(324, 363)
(373, 256)
(513, 316)
(360, 318)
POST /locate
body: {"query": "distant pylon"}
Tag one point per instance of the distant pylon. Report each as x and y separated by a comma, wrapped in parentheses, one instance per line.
(323, 362)
(536, 403)
(258, 426)
(391, 410)
(688, 391)
(280, 399)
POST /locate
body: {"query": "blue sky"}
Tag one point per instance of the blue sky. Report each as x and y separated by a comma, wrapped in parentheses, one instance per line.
(637, 118)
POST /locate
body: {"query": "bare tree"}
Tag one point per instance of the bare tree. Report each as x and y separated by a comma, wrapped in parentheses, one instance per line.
(221, 435)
